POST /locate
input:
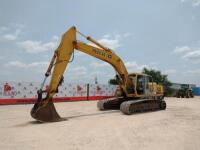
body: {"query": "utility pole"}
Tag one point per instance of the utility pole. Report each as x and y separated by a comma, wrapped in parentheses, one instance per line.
(95, 80)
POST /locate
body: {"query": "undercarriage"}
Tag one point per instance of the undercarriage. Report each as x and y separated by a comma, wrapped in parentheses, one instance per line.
(129, 106)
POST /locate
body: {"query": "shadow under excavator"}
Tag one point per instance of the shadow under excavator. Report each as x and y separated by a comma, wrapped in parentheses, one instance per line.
(35, 122)
(27, 123)
(94, 114)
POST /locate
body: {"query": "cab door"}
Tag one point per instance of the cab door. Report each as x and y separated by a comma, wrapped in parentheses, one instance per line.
(143, 88)
(147, 87)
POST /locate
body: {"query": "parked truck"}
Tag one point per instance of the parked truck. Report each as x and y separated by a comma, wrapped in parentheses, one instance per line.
(185, 91)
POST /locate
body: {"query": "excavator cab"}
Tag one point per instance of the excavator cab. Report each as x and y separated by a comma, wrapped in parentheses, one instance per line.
(143, 87)
(141, 82)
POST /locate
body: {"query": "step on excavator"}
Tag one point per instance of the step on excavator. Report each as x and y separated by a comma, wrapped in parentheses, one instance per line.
(136, 93)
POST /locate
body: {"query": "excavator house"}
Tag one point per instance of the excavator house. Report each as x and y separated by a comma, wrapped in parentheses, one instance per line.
(136, 93)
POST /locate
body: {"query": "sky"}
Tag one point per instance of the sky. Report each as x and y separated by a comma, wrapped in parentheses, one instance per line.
(157, 34)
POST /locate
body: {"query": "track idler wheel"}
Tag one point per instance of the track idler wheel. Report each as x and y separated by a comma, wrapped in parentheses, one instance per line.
(163, 105)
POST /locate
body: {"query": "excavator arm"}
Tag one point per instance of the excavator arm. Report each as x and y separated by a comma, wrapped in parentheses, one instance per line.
(44, 109)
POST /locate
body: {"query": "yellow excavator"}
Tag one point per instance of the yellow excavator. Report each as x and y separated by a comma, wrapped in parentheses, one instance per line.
(136, 93)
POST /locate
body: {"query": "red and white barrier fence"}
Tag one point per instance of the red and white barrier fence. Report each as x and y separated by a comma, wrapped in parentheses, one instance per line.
(26, 92)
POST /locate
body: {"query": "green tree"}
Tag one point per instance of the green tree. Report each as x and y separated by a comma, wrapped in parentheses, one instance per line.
(160, 78)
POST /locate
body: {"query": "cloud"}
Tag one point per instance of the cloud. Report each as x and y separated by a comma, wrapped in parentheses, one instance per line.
(3, 29)
(20, 64)
(170, 71)
(55, 37)
(11, 32)
(193, 76)
(133, 66)
(193, 56)
(17, 25)
(194, 72)
(76, 74)
(99, 65)
(31, 46)
(112, 41)
(2, 57)
(182, 49)
(195, 3)
(127, 34)
(130, 65)
(34, 67)
(188, 53)
(78, 71)
(10, 36)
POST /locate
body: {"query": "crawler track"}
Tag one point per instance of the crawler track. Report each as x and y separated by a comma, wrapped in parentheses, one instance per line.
(135, 106)
(131, 106)
(109, 104)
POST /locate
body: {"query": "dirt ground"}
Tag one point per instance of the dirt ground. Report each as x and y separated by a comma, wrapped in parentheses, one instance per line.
(176, 128)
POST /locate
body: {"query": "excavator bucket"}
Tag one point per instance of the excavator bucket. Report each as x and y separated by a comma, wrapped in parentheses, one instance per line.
(44, 110)
(45, 113)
